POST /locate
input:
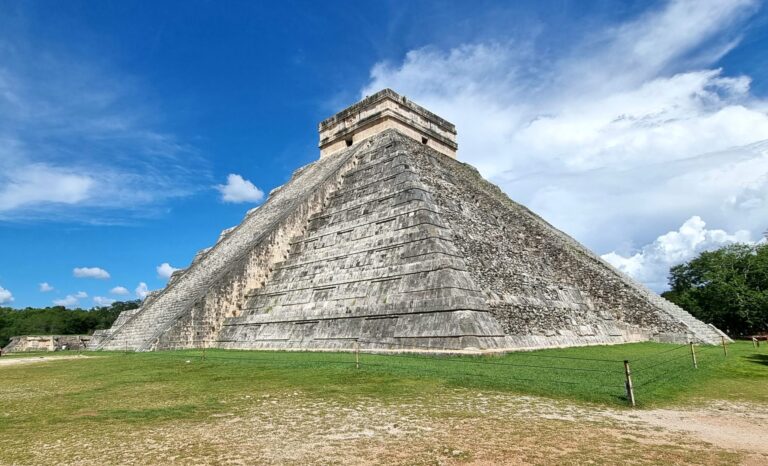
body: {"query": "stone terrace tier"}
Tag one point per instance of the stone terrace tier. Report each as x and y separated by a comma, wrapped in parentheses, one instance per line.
(376, 267)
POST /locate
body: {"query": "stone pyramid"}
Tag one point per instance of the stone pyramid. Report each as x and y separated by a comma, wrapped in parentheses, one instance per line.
(388, 242)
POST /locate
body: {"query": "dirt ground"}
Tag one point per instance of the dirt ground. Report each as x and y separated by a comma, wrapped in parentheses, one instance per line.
(724, 425)
(461, 427)
(15, 361)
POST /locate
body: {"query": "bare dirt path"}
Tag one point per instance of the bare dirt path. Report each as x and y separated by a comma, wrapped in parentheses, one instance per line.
(457, 427)
(725, 425)
(8, 361)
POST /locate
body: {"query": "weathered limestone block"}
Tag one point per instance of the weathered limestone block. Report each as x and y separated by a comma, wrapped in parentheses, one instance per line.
(537, 278)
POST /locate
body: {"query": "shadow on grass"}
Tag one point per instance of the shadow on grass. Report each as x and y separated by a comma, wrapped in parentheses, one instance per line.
(758, 359)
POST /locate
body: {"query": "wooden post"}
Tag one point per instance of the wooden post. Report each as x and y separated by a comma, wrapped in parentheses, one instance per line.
(628, 384)
(357, 354)
(693, 357)
(754, 342)
(725, 347)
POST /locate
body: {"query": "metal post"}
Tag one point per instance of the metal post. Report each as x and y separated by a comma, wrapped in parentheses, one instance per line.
(725, 347)
(693, 357)
(357, 354)
(630, 388)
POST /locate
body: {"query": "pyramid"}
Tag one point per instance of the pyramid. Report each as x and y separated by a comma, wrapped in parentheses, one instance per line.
(389, 242)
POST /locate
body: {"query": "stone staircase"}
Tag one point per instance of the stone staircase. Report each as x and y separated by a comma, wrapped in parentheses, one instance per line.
(377, 263)
(141, 330)
(700, 331)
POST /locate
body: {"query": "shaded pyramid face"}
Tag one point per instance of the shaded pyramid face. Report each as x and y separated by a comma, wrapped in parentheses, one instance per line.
(377, 266)
(388, 242)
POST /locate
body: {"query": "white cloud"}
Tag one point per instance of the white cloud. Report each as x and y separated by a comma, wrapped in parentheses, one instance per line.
(102, 301)
(239, 189)
(652, 263)
(617, 139)
(90, 272)
(45, 287)
(119, 290)
(165, 270)
(6, 296)
(142, 290)
(41, 183)
(79, 140)
(71, 300)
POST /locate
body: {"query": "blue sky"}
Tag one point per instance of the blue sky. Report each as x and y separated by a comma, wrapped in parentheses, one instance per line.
(132, 133)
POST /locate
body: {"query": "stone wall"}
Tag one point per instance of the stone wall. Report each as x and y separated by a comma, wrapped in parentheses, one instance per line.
(382, 111)
(39, 343)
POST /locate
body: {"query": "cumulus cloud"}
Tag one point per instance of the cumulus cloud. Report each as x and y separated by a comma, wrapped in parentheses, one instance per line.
(652, 263)
(68, 301)
(71, 300)
(239, 189)
(617, 139)
(6, 296)
(90, 272)
(165, 270)
(119, 290)
(37, 183)
(142, 290)
(102, 301)
(45, 287)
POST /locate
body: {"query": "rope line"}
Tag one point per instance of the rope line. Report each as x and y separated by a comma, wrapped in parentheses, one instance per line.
(382, 359)
(517, 353)
(391, 366)
(676, 358)
(659, 353)
(505, 364)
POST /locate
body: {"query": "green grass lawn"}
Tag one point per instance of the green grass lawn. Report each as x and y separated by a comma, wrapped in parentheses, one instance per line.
(181, 380)
(109, 392)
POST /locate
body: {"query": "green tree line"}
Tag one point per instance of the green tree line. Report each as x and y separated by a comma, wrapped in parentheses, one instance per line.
(58, 320)
(727, 288)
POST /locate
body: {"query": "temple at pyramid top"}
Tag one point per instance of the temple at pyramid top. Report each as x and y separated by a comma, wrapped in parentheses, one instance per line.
(384, 110)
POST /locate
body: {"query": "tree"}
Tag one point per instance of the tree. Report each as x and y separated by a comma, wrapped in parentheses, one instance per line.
(727, 288)
(58, 320)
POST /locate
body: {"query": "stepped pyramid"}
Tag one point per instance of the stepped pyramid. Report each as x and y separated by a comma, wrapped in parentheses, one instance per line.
(388, 242)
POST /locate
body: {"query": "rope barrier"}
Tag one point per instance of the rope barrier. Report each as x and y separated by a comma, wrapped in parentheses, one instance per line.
(660, 352)
(417, 364)
(517, 353)
(676, 358)
(469, 361)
